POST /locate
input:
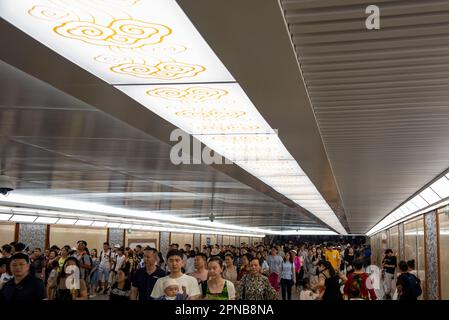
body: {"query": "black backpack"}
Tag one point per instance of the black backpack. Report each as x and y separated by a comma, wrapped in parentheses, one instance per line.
(413, 285)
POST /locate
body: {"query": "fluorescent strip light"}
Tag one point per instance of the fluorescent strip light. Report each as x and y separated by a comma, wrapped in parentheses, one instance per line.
(84, 222)
(430, 196)
(66, 221)
(5, 216)
(113, 225)
(46, 220)
(441, 187)
(22, 218)
(99, 224)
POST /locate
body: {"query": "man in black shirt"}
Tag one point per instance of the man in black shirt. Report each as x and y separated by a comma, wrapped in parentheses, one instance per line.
(23, 286)
(389, 264)
(145, 278)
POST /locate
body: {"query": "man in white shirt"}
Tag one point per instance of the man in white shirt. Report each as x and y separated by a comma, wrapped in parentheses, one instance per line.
(104, 268)
(188, 284)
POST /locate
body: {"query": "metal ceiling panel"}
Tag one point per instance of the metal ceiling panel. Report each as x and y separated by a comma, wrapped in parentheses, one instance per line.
(380, 96)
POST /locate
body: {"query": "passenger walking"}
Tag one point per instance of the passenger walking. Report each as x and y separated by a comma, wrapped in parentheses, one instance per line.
(23, 286)
(145, 278)
(217, 288)
(329, 282)
(358, 286)
(255, 286)
(389, 264)
(94, 273)
(288, 276)
(275, 264)
(408, 285)
(307, 293)
(200, 264)
(71, 275)
(188, 283)
(121, 289)
(230, 271)
(245, 267)
(104, 267)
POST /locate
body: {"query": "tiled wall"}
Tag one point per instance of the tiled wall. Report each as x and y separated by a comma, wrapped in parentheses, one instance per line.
(164, 242)
(33, 235)
(116, 236)
(431, 256)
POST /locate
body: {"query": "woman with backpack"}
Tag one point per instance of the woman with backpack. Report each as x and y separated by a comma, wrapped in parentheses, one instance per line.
(358, 287)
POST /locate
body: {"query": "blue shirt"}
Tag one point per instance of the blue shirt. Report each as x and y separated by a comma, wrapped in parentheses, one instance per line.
(287, 271)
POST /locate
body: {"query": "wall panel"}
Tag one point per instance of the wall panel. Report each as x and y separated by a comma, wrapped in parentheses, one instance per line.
(62, 235)
(6, 233)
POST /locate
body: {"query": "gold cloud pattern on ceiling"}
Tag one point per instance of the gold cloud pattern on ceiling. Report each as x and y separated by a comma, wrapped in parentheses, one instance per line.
(191, 94)
(127, 38)
(122, 33)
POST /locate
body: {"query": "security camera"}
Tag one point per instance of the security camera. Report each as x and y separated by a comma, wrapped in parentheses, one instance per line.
(211, 217)
(6, 185)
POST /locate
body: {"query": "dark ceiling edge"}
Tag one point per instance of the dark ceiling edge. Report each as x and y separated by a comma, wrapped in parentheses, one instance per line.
(246, 27)
(287, 29)
(68, 77)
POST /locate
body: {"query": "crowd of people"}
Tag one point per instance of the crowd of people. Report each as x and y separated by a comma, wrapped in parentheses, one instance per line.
(257, 272)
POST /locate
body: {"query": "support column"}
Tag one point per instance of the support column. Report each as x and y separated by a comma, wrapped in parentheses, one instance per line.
(401, 241)
(432, 263)
(116, 236)
(164, 243)
(33, 235)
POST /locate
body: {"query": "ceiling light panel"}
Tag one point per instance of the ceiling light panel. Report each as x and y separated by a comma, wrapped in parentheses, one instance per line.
(430, 196)
(121, 42)
(46, 220)
(84, 222)
(66, 221)
(22, 218)
(441, 187)
(203, 108)
(5, 216)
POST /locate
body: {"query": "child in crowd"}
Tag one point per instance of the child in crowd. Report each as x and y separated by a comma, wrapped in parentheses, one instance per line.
(306, 292)
(171, 290)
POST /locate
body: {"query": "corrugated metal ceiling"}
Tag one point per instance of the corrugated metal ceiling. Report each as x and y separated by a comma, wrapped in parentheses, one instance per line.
(381, 97)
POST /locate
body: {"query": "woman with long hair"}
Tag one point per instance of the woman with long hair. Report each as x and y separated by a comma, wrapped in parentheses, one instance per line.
(288, 276)
(69, 284)
(93, 277)
(328, 282)
(121, 289)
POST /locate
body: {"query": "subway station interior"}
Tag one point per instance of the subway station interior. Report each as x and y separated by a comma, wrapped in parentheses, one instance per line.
(231, 125)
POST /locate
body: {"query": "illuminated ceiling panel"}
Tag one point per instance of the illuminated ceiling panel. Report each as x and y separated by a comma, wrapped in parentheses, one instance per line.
(121, 42)
(202, 109)
(151, 51)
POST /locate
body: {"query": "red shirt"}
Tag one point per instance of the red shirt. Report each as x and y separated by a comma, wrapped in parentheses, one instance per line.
(355, 287)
